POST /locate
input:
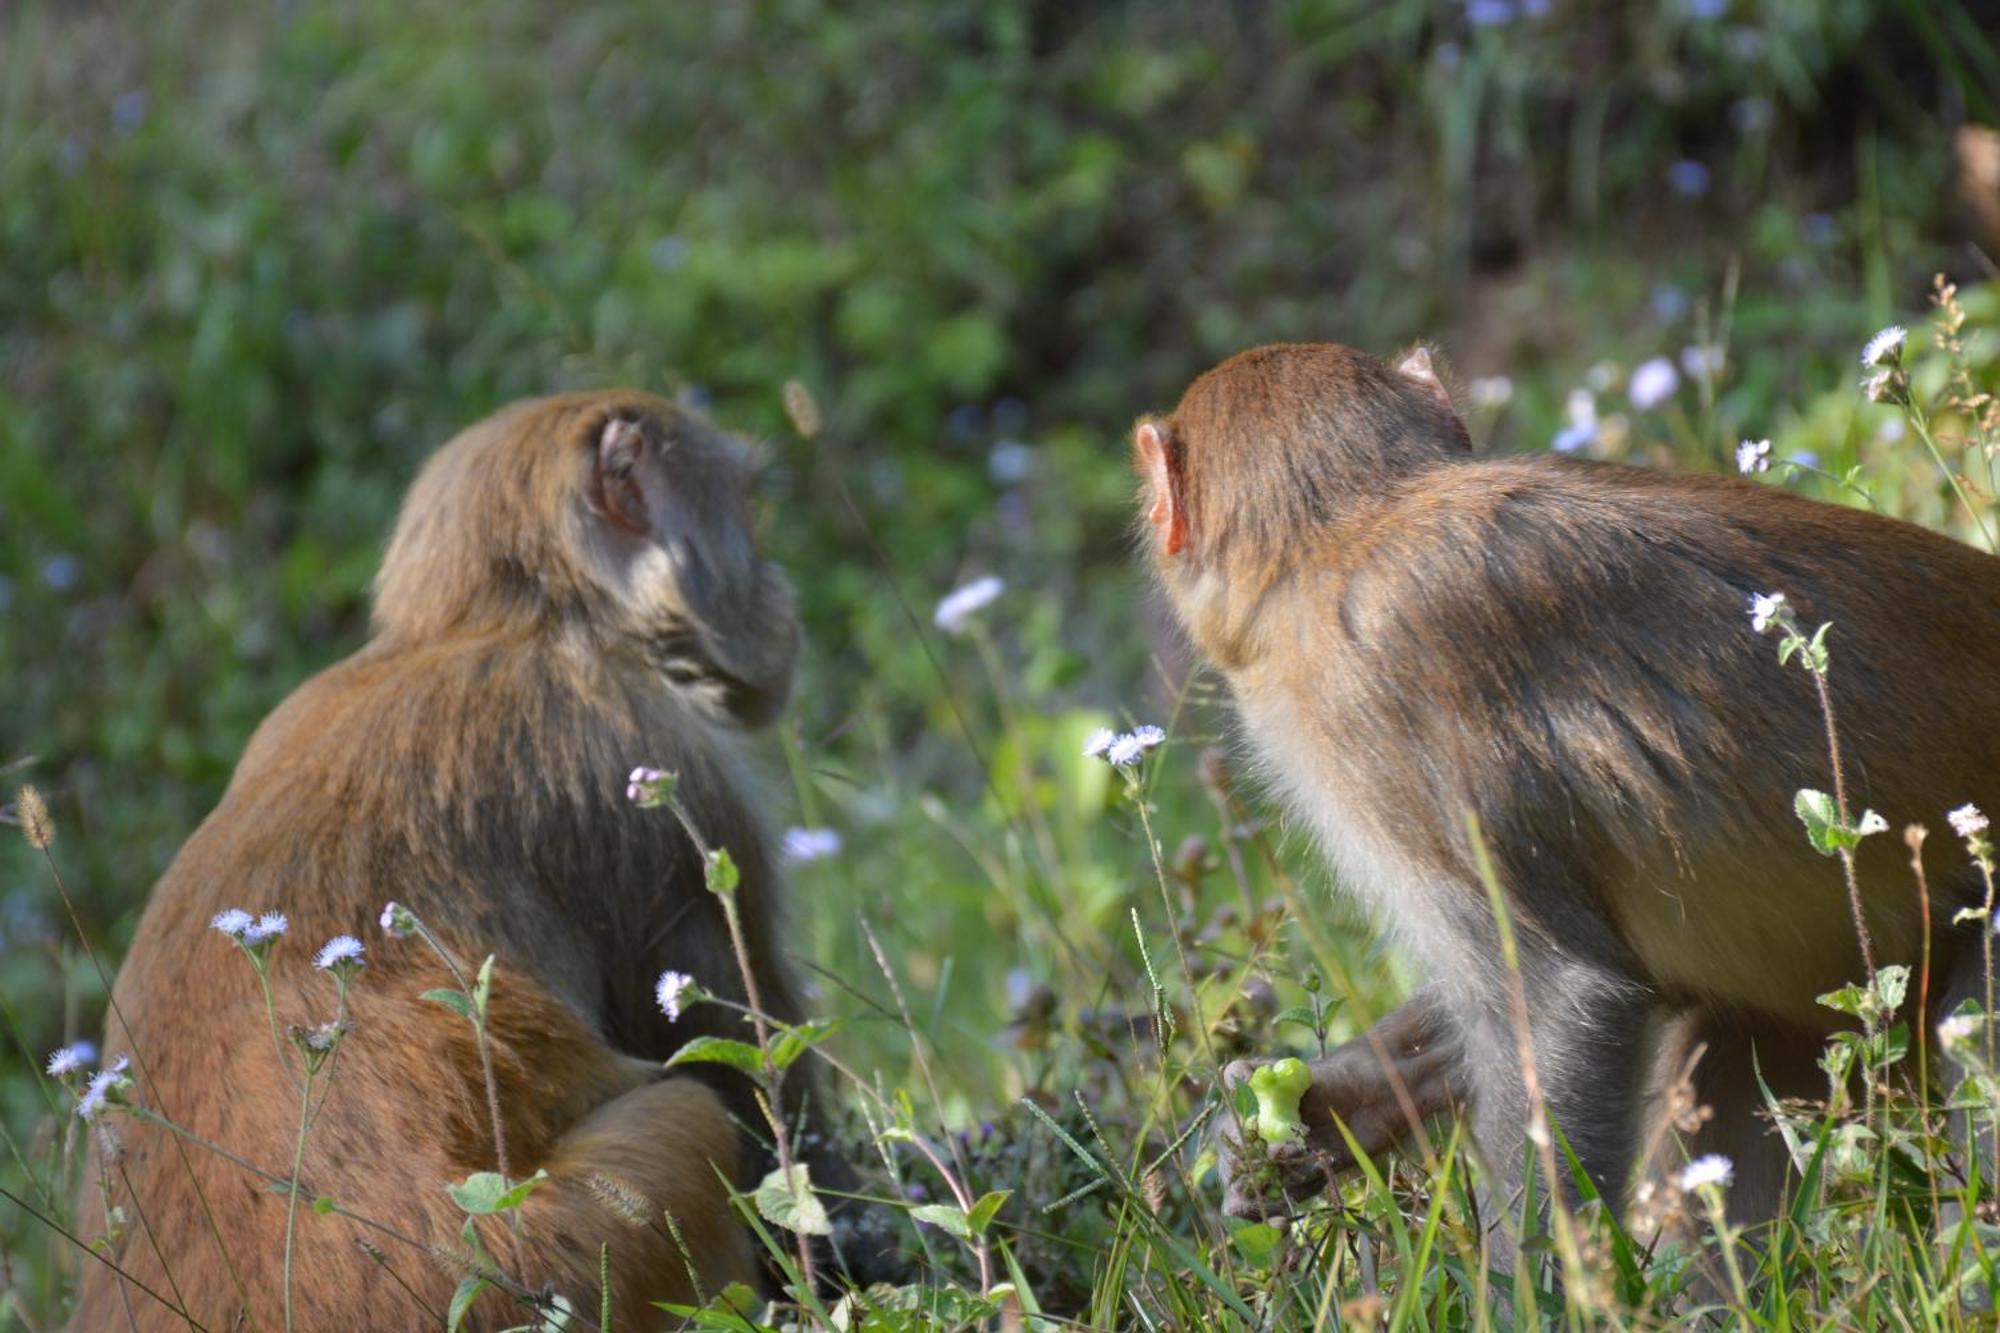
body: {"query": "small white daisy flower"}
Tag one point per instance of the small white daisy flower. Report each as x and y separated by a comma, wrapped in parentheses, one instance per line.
(1885, 348)
(811, 844)
(1149, 736)
(233, 922)
(1957, 1028)
(1712, 1169)
(1098, 742)
(1125, 751)
(1753, 456)
(638, 786)
(957, 608)
(1967, 821)
(1702, 362)
(1880, 387)
(1765, 610)
(103, 1088)
(71, 1059)
(340, 951)
(1491, 393)
(1653, 383)
(397, 922)
(672, 988)
(266, 927)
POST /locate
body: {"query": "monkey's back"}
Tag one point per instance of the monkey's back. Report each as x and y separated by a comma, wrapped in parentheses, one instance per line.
(482, 787)
(1564, 648)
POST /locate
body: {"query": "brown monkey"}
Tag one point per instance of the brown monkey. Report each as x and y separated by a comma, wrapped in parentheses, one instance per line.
(1414, 634)
(571, 590)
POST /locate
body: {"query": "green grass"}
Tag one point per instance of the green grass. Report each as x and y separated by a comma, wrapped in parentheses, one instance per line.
(254, 263)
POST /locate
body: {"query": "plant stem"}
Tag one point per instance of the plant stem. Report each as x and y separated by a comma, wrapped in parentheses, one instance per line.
(292, 1197)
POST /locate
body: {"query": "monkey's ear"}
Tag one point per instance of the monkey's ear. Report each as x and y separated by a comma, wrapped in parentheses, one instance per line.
(1159, 460)
(621, 448)
(1415, 366)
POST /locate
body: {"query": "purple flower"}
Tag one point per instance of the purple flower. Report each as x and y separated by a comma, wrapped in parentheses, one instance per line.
(811, 844)
(71, 1059)
(340, 952)
(1653, 383)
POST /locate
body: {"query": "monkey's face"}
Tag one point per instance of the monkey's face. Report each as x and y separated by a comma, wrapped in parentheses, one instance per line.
(614, 515)
(665, 504)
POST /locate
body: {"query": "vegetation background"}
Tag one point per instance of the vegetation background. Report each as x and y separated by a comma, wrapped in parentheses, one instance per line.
(257, 260)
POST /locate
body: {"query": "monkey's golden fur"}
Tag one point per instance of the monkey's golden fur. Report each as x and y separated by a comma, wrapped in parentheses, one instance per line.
(1414, 633)
(570, 592)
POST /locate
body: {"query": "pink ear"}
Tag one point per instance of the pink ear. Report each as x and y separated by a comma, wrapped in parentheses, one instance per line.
(621, 448)
(1416, 367)
(1158, 465)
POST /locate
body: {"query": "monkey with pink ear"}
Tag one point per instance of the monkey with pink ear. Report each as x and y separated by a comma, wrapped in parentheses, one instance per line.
(1439, 656)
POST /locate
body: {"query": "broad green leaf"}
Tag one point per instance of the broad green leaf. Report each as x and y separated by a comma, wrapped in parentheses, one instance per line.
(720, 1051)
(946, 1217)
(486, 1192)
(461, 1301)
(792, 1204)
(453, 1000)
(794, 1041)
(1892, 983)
(983, 1209)
(1821, 817)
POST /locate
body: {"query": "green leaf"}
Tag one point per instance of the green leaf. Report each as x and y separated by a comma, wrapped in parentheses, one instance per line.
(1892, 983)
(461, 1301)
(946, 1217)
(322, 1205)
(983, 1209)
(792, 1204)
(1821, 817)
(722, 874)
(483, 987)
(486, 1192)
(720, 1051)
(1257, 1242)
(453, 1000)
(1850, 1000)
(795, 1040)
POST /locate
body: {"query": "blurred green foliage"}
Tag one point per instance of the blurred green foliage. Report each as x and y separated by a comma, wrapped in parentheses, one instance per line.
(255, 261)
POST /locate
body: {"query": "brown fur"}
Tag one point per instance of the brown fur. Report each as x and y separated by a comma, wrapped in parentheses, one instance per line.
(531, 646)
(1414, 634)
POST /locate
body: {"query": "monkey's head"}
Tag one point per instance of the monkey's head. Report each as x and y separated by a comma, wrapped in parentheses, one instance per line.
(1275, 444)
(614, 520)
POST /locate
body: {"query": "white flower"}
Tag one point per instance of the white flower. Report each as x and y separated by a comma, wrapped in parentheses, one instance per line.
(1753, 456)
(1765, 610)
(70, 1059)
(233, 922)
(1702, 362)
(639, 781)
(1880, 386)
(955, 612)
(1957, 1028)
(397, 922)
(811, 844)
(1098, 742)
(1149, 736)
(103, 1085)
(1712, 1169)
(267, 927)
(340, 951)
(1653, 383)
(1491, 393)
(672, 988)
(1125, 751)
(1871, 823)
(1967, 820)
(1885, 348)
(1580, 410)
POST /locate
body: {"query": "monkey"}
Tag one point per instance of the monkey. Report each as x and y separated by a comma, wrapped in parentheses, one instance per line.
(571, 589)
(1434, 652)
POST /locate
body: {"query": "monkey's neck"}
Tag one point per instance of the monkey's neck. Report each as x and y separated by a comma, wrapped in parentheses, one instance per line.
(1230, 613)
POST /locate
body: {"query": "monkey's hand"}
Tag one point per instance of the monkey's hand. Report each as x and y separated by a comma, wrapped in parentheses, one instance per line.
(1382, 1086)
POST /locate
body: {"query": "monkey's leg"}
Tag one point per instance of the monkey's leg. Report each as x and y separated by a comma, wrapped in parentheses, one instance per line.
(1720, 1097)
(658, 1150)
(1383, 1086)
(1588, 1031)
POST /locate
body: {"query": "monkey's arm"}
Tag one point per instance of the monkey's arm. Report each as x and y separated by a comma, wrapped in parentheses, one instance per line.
(1383, 1086)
